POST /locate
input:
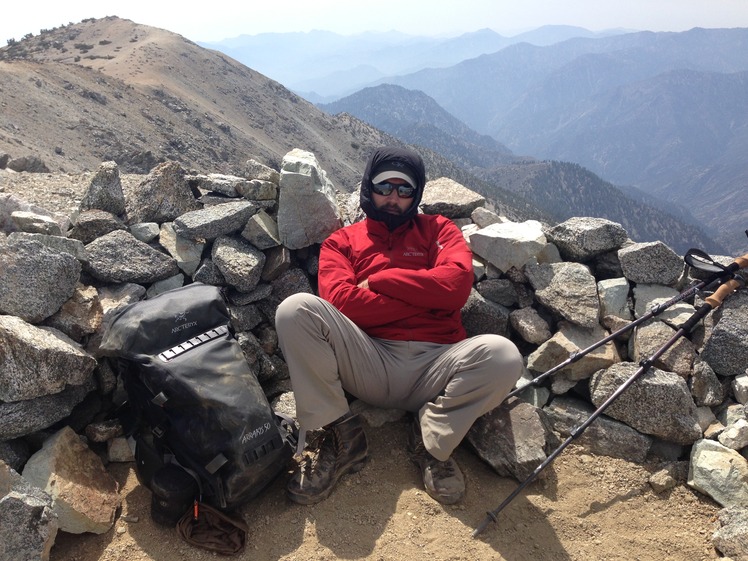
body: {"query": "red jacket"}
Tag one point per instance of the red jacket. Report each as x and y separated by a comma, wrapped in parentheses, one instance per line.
(420, 275)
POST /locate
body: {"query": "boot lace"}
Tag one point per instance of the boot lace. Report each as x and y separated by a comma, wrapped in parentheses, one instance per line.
(324, 449)
(441, 470)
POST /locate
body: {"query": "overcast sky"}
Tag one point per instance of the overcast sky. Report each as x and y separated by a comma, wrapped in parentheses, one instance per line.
(221, 19)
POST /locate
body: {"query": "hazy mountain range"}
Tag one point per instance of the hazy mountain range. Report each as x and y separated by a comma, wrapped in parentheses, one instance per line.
(665, 113)
(111, 89)
(323, 66)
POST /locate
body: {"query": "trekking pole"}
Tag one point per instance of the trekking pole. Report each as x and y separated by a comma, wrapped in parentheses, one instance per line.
(694, 258)
(710, 303)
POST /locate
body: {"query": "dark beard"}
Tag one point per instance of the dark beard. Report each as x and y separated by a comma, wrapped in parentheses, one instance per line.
(391, 209)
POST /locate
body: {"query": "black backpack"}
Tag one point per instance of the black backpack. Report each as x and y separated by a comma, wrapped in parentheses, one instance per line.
(192, 399)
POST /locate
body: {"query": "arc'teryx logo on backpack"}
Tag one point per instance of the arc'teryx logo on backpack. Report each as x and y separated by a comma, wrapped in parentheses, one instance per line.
(182, 317)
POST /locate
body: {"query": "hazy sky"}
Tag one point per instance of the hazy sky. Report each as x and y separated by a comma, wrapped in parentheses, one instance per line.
(221, 19)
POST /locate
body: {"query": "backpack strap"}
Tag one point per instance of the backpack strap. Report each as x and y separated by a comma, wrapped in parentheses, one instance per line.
(289, 428)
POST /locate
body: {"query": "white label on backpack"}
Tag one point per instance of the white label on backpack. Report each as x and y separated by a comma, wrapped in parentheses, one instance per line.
(259, 431)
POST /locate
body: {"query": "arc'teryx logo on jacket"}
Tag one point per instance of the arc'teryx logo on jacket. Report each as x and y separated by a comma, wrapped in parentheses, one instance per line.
(413, 252)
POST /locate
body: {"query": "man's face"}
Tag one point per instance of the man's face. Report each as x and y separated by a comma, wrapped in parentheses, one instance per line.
(392, 203)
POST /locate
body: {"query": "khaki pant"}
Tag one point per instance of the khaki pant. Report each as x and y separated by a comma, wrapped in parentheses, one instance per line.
(447, 386)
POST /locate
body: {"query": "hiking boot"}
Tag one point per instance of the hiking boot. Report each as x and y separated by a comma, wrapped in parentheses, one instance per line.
(443, 481)
(339, 450)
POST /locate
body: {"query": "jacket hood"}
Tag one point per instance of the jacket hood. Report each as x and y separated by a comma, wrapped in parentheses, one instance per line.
(392, 157)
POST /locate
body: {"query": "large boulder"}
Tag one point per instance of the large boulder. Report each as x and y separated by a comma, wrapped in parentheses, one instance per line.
(307, 206)
(162, 196)
(36, 280)
(657, 403)
(85, 496)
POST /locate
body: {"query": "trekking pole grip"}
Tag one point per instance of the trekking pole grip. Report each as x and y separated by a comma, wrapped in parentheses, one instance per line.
(721, 293)
(742, 262)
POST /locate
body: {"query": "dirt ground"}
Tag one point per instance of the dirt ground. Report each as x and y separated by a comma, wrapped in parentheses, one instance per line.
(587, 509)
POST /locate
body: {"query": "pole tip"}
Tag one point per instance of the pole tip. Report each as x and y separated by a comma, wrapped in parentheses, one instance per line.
(482, 526)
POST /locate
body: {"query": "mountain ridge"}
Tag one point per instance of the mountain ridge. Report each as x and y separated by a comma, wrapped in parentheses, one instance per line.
(405, 113)
(560, 189)
(176, 87)
(111, 89)
(625, 107)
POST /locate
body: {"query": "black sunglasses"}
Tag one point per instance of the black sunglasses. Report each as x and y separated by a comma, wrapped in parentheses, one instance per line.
(384, 188)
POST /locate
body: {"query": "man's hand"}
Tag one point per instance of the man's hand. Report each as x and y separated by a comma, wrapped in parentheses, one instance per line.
(364, 284)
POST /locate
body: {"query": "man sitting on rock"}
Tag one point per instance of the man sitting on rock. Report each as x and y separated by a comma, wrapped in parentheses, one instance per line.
(387, 329)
